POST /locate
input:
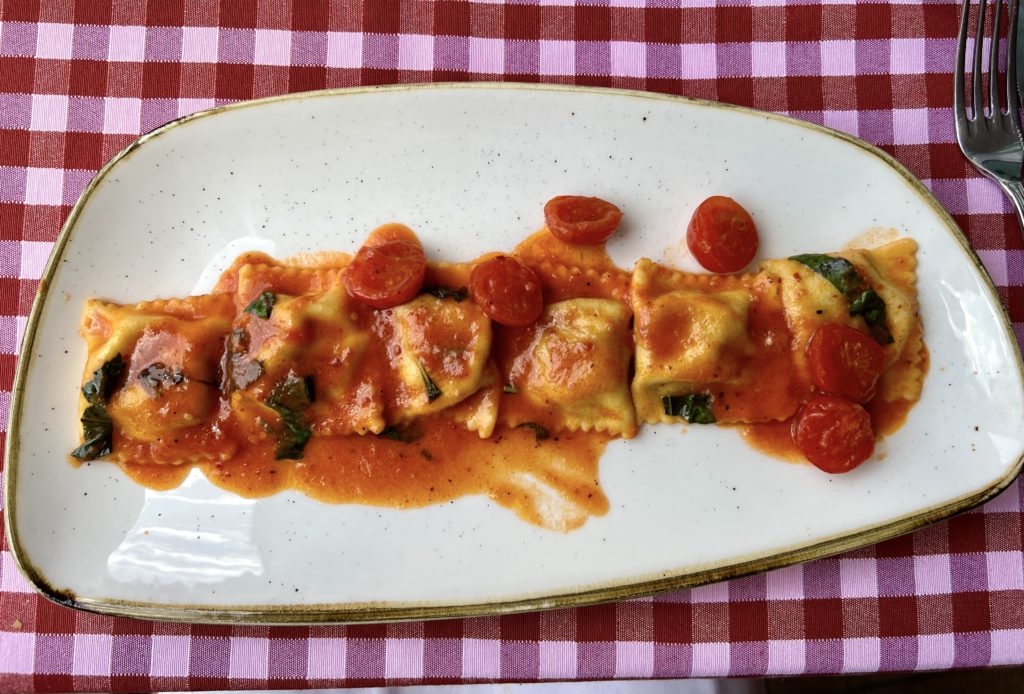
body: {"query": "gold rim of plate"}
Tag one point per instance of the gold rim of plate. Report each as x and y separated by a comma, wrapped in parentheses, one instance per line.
(687, 577)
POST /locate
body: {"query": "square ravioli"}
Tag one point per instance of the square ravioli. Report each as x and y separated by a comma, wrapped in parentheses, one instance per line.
(158, 363)
(573, 373)
(442, 348)
(811, 300)
(690, 331)
(320, 333)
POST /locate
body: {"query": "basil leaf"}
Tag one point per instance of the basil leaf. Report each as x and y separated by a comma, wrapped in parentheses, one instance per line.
(97, 426)
(871, 306)
(510, 389)
(433, 392)
(864, 301)
(695, 408)
(839, 271)
(540, 432)
(97, 389)
(294, 394)
(237, 369)
(459, 295)
(404, 434)
(97, 431)
(289, 399)
(294, 438)
(262, 305)
(155, 377)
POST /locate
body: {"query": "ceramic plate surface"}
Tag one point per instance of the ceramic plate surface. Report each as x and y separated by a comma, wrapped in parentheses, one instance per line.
(469, 168)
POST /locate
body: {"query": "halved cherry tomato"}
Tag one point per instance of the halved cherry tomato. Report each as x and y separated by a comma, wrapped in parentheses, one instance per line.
(834, 433)
(580, 220)
(845, 362)
(721, 235)
(387, 274)
(507, 291)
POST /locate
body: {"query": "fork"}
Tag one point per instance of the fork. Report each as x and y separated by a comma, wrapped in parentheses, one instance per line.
(992, 141)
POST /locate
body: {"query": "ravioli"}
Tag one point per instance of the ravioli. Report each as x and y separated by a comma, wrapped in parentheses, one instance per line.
(574, 370)
(324, 335)
(690, 331)
(428, 400)
(443, 348)
(810, 300)
(168, 401)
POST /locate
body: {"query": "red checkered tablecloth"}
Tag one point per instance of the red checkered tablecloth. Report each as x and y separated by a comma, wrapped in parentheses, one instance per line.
(80, 80)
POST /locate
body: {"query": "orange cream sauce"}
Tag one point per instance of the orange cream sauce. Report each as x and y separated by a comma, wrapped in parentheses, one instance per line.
(548, 481)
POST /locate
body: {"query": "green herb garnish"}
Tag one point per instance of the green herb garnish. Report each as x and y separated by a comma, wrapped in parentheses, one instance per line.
(97, 426)
(540, 432)
(695, 408)
(404, 434)
(293, 442)
(262, 305)
(237, 369)
(864, 301)
(871, 306)
(293, 393)
(97, 430)
(97, 389)
(510, 389)
(433, 392)
(156, 377)
(460, 294)
(289, 399)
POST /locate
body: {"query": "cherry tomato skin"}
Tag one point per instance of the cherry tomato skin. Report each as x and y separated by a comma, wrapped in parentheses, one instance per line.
(834, 433)
(580, 220)
(721, 235)
(387, 274)
(507, 291)
(845, 362)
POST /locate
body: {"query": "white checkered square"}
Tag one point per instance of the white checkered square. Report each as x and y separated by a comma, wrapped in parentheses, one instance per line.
(169, 656)
(54, 40)
(481, 658)
(488, 55)
(403, 658)
(127, 44)
(92, 654)
(862, 654)
(44, 186)
(344, 49)
(768, 59)
(249, 657)
(122, 115)
(199, 44)
(415, 52)
(628, 59)
(838, 58)
(326, 659)
(556, 58)
(557, 660)
(273, 47)
(49, 113)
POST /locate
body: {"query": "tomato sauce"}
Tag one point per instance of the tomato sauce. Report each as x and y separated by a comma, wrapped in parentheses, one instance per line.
(552, 483)
(887, 416)
(548, 478)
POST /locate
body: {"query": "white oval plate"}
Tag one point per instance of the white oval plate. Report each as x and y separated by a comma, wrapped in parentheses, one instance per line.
(470, 167)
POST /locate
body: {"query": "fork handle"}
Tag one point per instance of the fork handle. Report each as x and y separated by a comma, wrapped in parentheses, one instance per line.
(1015, 189)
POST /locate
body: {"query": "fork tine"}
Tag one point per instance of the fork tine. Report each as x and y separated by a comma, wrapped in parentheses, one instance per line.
(1012, 104)
(977, 104)
(993, 60)
(959, 105)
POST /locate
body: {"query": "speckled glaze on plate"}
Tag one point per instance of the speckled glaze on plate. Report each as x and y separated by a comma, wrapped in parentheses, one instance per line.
(469, 167)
